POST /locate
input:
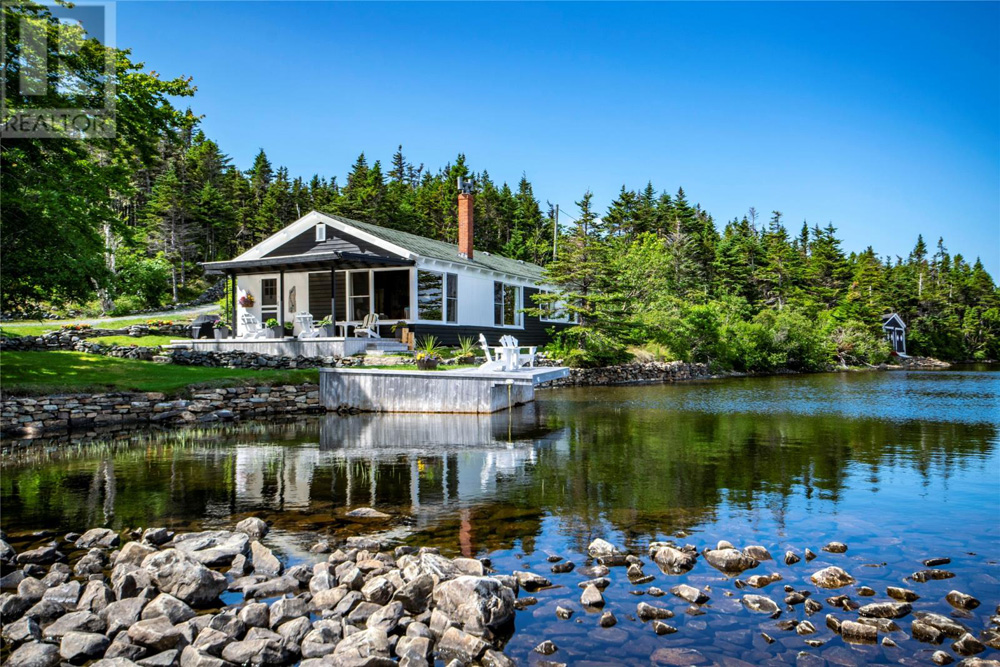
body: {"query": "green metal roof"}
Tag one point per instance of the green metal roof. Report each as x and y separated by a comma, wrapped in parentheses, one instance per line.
(448, 252)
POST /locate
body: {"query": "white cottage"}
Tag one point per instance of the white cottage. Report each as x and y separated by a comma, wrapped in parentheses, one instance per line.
(330, 266)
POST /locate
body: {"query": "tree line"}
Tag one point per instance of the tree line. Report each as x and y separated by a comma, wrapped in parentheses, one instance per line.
(123, 223)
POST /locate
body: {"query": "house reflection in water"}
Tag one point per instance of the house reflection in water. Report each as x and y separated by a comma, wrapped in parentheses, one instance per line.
(423, 466)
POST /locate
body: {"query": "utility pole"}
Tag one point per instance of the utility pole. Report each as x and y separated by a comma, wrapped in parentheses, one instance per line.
(555, 233)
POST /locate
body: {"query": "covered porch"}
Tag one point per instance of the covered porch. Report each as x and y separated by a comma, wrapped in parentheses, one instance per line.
(342, 287)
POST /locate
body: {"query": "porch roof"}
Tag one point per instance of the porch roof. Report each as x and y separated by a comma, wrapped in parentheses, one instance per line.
(322, 260)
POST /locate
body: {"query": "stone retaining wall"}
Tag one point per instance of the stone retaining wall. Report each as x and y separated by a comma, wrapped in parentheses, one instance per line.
(634, 373)
(32, 417)
(66, 339)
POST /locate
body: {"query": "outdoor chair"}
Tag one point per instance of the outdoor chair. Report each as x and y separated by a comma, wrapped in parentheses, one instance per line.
(251, 327)
(520, 359)
(492, 364)
(368, 327)
(305, 321)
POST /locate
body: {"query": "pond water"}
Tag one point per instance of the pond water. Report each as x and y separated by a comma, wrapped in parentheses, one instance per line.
(901, 466)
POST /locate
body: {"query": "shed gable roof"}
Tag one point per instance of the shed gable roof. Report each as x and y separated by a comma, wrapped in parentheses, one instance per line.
(893, 320)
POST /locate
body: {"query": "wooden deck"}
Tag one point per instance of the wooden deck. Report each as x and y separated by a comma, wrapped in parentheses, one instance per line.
(293, 347)
(458, 391)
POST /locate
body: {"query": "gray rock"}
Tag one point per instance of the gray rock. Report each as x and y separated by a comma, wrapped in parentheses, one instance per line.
(475, 603)
(931, 575)
(255, 615)
(758, 553)
(607, 620)
(96, 597)
(531, 581)
(367, 513)
(12, 607)
(98, 537)
(387, 618)
(458, 645)
(361, 646)
(118, 661)
(264, 561)
(925, 632)
(831, 577)
(967, 645)
(211, 641)
(255, 528)
(547, 647)
(286, 609)
(330, 598)
(901, 594)
(271, 587)
(122, 614)
(295, 630)
(45, 611)
(20, 631)
(648, 612)
(156, 536)
(661, 628)
(122, 647)
(563, 613)
(689, 593)
(76, 621)
(886, 609)
(42, 555)
(183, 577)
(83, 646)
(169, 606)
(133, 553)
(31, 589)
(157, 634)
(858, 633)
(602, 548)
(960, 600)
(761, 604)
(941, 658)
(835, 548)
(948, 626)
(730, 561)
(162, 659)
(192, 657)
(592, 597)
(228, 623)
(321, 640)
(791, 558)
(672, 560)
(414, 649)
(213, 547)
(34, 654)
(378, 590)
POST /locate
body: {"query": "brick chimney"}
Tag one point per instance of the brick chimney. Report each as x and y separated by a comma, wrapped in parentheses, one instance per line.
(466, 200)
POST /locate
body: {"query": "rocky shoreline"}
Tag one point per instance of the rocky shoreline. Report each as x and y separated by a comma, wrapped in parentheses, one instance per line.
(221, 598)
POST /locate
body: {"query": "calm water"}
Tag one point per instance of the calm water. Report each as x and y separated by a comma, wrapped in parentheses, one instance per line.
(901, 466)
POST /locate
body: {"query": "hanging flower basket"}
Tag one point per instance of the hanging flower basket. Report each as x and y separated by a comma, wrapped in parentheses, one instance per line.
(247, 300)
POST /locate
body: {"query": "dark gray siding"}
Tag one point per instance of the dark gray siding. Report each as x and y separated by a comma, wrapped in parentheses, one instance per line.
(336, 241)
(448, 335)
(319, 295)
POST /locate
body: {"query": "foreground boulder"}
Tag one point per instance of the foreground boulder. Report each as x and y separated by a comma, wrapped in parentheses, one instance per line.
(183, 577)
(831, 577)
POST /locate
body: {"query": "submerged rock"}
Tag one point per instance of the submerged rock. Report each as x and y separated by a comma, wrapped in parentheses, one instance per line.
(961, 600)
(835, 548)
(730, 561)
(831, 577)
(690, 593)
(886, 609)
(901, 594)
(931, 575)
(761, 604)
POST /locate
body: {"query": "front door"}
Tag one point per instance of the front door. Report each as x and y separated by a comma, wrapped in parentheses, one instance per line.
(319, 295)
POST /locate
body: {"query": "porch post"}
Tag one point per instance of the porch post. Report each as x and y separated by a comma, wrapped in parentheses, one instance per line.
(232, 299)
(333, 296)
(281, 301)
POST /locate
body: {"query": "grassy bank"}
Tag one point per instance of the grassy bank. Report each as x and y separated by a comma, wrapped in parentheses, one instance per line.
(142, 341)
(35, 373)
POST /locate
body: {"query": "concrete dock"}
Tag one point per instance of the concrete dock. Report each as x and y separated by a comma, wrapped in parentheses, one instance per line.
(463, 391)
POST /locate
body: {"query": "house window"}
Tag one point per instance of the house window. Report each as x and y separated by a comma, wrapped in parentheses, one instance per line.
(451, 296)
(506, 304)
(320, 232)
(360, 302)
(269, 292)
(551, 311)
(430, 296)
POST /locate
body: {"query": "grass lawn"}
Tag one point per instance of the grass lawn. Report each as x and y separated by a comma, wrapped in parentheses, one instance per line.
(142, 341)
(32, 373)
(38, 327)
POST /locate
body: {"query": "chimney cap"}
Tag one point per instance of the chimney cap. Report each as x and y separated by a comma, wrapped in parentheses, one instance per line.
(466, 187)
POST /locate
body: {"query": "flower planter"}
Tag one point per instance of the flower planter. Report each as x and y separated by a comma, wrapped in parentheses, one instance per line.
(329, 330)
(465, 360)
(222, 333)
(427, 364)
(275, 332)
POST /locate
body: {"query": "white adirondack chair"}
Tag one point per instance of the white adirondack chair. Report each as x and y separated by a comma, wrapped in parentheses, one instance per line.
(305, 321)
(251, 327)
(491, 363)
(369, 327)
(519, 358)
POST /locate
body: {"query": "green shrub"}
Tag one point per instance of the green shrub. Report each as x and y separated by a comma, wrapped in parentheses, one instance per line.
(143, 278)
(125, 305)
(586, 347)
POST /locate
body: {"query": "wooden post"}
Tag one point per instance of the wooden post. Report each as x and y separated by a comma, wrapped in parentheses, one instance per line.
(232, 296)
(333, 296)
(281, 301)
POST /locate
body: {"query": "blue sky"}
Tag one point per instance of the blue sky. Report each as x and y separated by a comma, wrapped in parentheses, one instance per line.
(883, 119)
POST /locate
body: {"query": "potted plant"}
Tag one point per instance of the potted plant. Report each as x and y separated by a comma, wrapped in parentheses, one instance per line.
(221, 330)
(289, 328)
(399, 329)
(428, 353)
(328, 327)
(466, 352)
(274, 329)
